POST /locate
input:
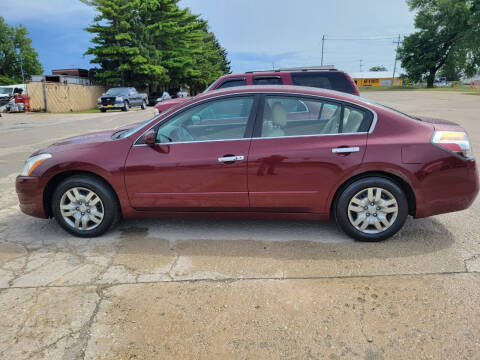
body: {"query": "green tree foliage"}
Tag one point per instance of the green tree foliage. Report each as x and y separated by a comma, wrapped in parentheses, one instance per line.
(16, 53)
(153, 43)
(448, 38)
(378, 68)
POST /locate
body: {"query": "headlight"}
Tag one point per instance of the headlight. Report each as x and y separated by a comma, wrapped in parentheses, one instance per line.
(33, 162)
(159, 99)
(99, 100)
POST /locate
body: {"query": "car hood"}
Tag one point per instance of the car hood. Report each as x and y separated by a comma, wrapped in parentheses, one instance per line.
(81, 141)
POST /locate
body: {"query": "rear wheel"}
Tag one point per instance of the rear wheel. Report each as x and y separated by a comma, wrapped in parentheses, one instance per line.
(84, 206)
(371, 209)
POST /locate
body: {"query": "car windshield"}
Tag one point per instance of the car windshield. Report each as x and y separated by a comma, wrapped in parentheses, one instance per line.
(7, 91)
(127, 132)
(117, 91)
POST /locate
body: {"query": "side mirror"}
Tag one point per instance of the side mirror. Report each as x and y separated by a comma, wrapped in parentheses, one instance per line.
(149, 137)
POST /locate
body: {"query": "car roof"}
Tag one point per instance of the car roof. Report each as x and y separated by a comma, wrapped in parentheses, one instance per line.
(286, 89)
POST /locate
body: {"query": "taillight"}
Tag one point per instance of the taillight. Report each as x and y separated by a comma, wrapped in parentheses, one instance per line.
(454, 141)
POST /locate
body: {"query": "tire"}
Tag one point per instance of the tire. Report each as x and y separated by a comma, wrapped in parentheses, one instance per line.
(126, 106)
(354, 206)
(107, 205)
(144, 105)
(103, 110)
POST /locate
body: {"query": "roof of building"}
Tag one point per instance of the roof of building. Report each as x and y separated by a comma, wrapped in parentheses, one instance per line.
(373, 74)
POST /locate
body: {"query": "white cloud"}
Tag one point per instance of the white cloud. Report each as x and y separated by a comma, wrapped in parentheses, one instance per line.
(68, 13)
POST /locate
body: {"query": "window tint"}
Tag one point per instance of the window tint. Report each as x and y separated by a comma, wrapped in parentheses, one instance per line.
(216, 120)
(326, 80)
(295, 116)
(262, 80)
(232, 83)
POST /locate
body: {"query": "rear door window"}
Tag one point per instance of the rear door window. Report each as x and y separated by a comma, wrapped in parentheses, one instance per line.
(267, 80)
(325, 80)
(300, 116)
(232, 83)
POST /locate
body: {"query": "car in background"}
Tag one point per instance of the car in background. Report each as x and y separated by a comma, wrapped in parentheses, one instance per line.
(7, 92)
(122, 98)
(264, 151)
(323, 77)
(157, 97)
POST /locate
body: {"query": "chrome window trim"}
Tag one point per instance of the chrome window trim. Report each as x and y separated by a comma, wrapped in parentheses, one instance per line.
(252, 138)
(372, 126)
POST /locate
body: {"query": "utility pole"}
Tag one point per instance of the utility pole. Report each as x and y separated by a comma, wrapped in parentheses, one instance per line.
(323, 44)
(395, 63)
(361, 65)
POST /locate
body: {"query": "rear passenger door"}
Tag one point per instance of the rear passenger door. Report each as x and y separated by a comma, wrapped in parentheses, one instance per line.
(302, 148)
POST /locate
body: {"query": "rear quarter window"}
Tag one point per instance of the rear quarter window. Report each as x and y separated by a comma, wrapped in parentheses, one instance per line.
(325, 80)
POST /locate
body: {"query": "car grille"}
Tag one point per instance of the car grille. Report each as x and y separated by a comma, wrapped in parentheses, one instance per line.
(108, 100)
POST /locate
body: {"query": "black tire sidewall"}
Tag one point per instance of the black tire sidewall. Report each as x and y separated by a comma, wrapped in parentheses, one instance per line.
(109, 201)
(144, 105)
(341, 208)
(125, 106)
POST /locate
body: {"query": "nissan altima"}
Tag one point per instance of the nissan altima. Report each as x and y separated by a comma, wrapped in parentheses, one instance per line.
(279, 152)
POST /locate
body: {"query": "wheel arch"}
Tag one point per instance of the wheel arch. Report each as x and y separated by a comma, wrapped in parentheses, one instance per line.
(405, 186)
(58, 178)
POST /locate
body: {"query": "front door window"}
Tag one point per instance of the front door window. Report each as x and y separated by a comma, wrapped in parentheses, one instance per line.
(224, 119)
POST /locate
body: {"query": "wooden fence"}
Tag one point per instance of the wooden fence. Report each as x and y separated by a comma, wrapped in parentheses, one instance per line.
(62, 98)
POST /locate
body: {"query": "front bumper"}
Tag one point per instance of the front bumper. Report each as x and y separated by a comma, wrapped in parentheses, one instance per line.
(30, 195)
(111, 106)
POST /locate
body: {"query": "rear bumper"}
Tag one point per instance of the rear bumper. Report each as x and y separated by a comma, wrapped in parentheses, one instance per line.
(452, 188)
(30, 195)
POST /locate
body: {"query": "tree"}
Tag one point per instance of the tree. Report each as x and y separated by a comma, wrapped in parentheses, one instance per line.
(17, 55)
(153, 43)
(448, 36)
(378, 68)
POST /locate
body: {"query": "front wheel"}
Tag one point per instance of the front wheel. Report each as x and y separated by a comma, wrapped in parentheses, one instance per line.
(144, 105)
(126, 106)
(84, 206)
(371, 209)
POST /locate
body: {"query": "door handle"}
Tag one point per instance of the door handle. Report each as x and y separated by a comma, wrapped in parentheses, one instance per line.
(232, 158)
(345, 150)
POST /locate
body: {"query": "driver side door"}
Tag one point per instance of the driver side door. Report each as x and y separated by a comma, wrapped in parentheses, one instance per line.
(199, 161)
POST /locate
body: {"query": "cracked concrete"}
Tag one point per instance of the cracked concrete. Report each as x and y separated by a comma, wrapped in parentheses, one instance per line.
(159, 289)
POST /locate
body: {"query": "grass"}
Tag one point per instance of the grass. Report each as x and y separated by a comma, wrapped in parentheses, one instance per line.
(466, 90)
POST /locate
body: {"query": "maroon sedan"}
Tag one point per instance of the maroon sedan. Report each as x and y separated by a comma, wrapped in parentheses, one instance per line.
(258, 152)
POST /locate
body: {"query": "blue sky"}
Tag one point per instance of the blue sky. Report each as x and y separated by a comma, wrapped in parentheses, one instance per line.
(258, 34)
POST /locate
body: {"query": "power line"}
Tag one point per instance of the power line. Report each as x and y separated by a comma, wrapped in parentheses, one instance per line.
(357, 39)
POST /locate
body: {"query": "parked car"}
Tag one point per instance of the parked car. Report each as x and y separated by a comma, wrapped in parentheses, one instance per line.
(258, 152)
(325, 77)
(157, 97)
(122, 98)
(7, 92)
